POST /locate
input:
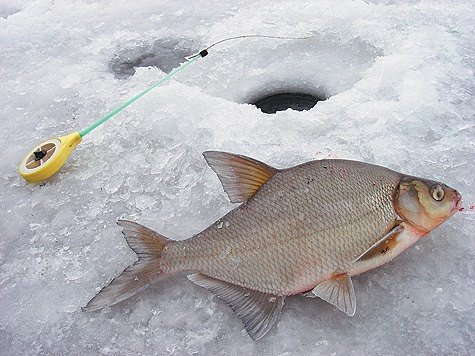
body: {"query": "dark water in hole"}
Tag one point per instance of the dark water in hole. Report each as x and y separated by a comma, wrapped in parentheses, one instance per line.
(283, 101)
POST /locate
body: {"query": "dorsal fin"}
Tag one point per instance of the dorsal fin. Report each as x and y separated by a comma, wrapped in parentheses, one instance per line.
(240, 176)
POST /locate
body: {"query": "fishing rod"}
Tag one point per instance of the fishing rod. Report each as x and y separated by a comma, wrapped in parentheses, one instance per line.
(47, 158)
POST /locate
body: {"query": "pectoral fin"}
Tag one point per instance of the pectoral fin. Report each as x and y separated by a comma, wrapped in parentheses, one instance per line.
(240, 176)
(383, 245)
(258, 311)
(337, 291)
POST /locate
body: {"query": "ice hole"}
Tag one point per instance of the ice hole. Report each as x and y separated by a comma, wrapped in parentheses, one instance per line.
(256, 71)
(164, 54)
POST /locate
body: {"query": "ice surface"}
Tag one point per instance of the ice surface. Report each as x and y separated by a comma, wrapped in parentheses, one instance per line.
(400, 77)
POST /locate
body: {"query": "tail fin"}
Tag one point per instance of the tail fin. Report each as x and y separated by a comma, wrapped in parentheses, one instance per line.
(148, 245)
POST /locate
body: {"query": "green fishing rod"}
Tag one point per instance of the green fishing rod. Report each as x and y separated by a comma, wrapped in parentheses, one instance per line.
(48, 157)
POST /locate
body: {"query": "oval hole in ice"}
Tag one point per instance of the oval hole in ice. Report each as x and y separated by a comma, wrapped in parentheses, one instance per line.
(252, 70)
(270, 104)
(164, 54)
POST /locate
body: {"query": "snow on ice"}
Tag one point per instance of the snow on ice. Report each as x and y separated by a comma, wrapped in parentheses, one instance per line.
(399, 77)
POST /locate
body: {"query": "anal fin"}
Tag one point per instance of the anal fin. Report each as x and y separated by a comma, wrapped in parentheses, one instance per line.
(258, 311)
(337, 291)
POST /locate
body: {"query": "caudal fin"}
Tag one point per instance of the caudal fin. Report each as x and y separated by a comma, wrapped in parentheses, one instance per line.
(148, 245)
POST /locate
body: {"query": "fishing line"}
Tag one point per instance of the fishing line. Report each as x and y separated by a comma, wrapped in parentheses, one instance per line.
(249, 36)
(47, 158)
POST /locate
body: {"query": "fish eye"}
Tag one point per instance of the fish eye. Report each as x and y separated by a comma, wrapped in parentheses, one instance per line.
(437, 192)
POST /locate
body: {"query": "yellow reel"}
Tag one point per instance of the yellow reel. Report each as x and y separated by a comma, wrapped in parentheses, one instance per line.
(47, 158)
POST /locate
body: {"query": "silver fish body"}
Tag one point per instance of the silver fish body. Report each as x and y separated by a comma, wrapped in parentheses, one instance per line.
(305, 224)
(302, 230)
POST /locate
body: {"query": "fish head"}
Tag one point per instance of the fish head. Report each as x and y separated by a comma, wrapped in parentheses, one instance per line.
(425, 204)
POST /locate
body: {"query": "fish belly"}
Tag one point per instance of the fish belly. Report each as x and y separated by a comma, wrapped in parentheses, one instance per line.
(305, 224)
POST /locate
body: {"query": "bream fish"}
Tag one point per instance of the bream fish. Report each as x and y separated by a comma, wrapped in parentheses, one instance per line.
(303, 230)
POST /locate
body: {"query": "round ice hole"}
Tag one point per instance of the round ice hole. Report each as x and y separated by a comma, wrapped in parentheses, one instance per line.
(282, 74)
(270, 104)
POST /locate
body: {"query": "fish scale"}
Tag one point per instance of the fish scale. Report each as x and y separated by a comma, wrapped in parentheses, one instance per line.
(345, 207)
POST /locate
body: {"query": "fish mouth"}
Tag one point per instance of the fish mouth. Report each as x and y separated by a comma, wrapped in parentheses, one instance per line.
(457, 202)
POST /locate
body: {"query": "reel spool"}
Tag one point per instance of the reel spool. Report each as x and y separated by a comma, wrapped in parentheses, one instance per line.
(48, 157)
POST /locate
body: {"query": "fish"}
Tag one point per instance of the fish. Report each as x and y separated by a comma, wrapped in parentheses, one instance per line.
(304, 230)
